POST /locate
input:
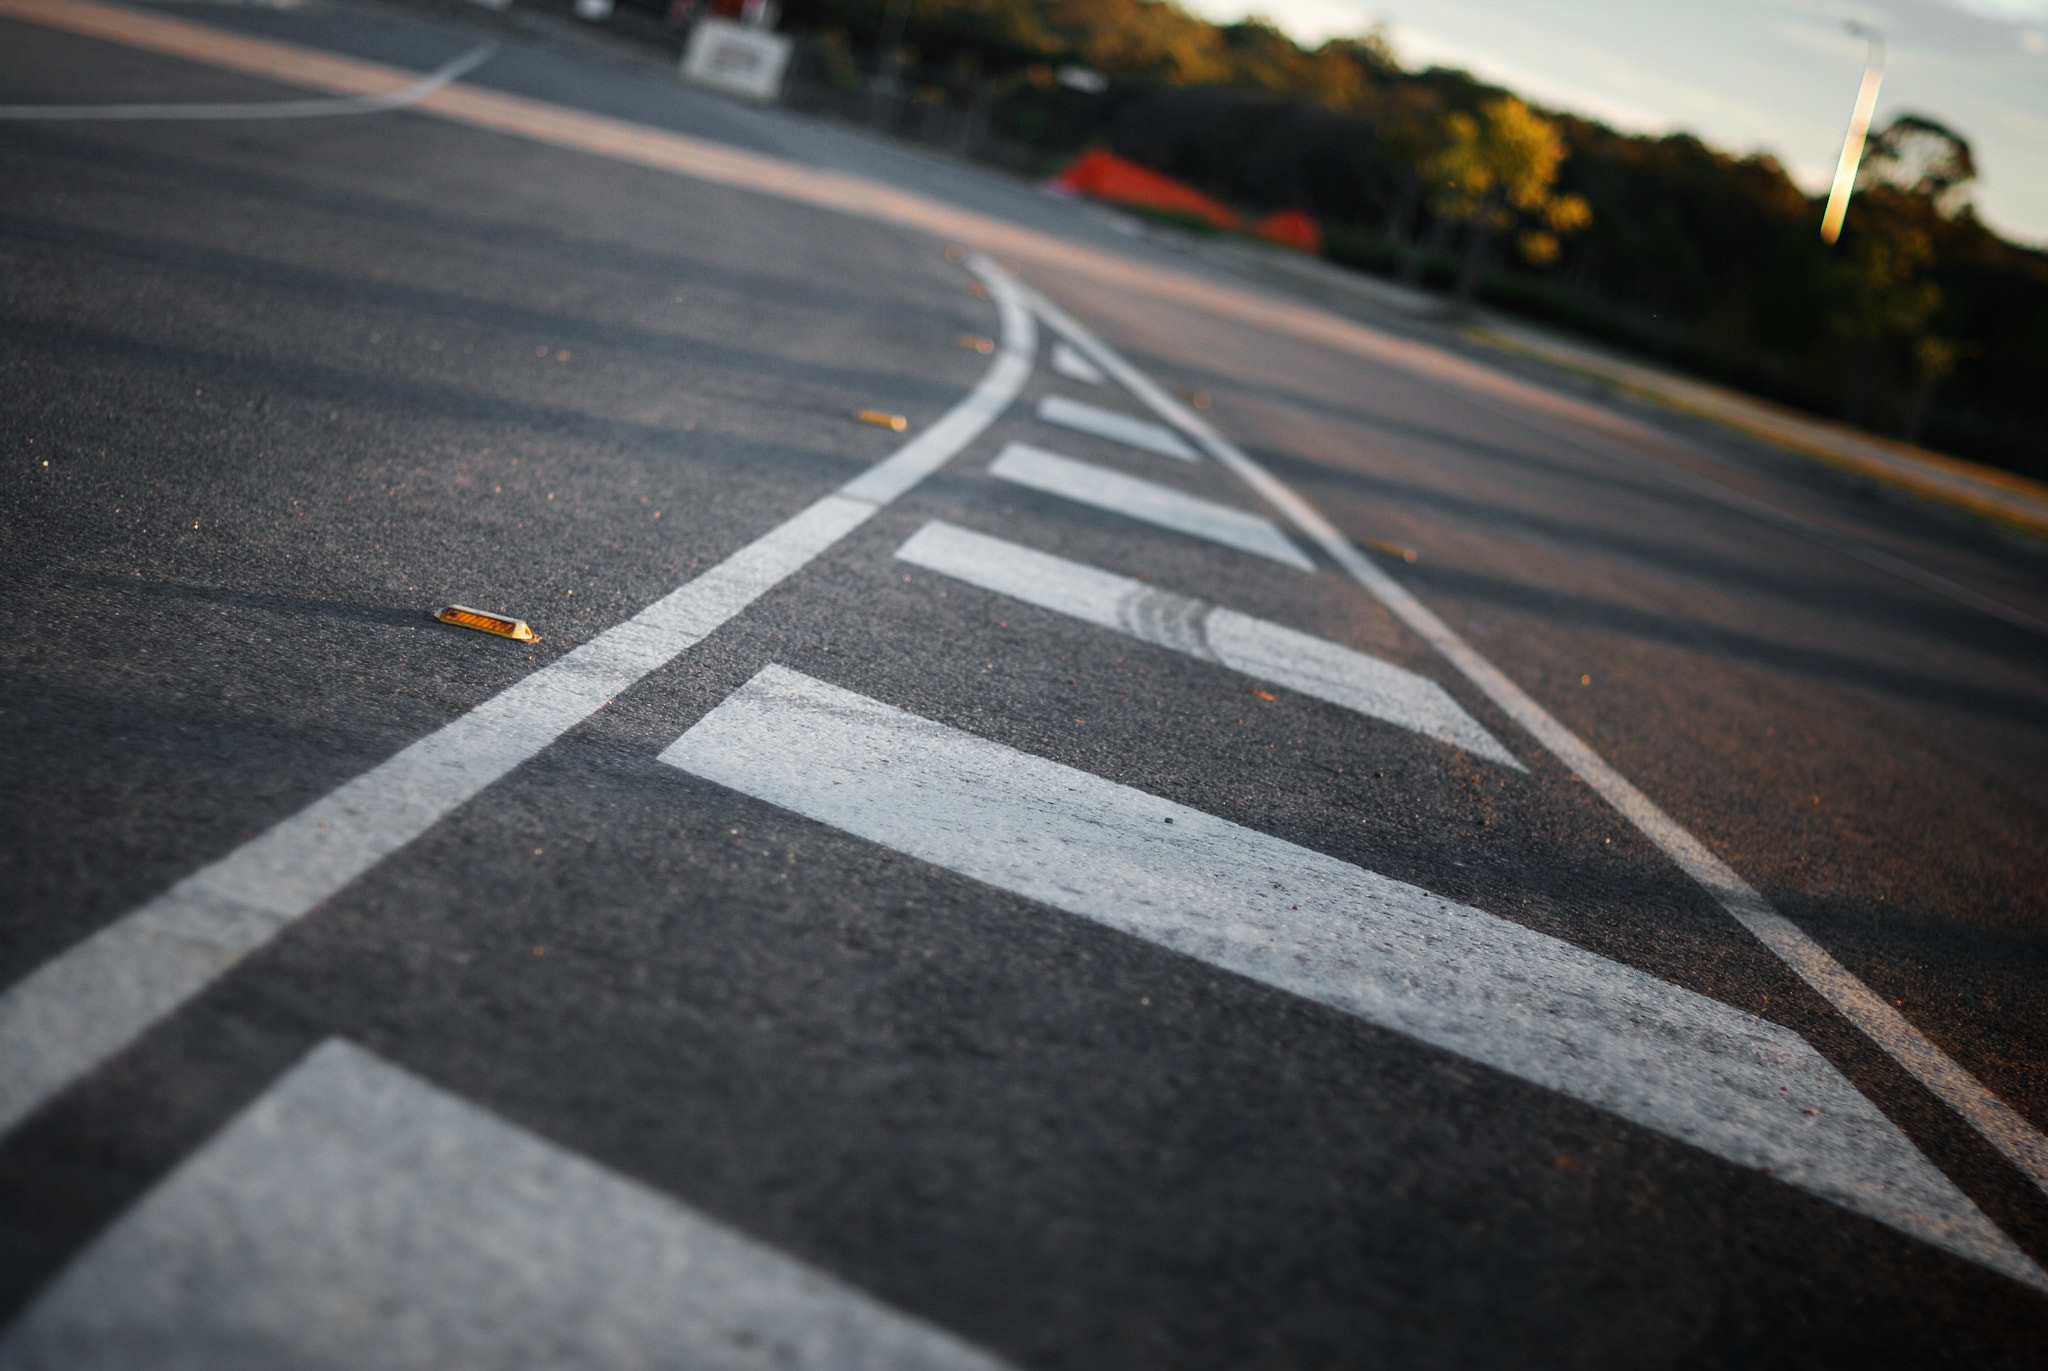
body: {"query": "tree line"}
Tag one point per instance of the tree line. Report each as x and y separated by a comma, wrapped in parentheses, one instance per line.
(1919, 322)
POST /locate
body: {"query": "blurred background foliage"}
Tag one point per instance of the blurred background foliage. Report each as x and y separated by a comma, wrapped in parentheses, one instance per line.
(1919, 323)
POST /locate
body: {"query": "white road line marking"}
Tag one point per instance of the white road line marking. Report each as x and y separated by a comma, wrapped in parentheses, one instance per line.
(1537, 1008)
(355, 1216)
(265, 109)
(1258, 648)
(1148, 501)
(1075, 367)
(2005, 1128)
(1120, 428)
(79, 1009)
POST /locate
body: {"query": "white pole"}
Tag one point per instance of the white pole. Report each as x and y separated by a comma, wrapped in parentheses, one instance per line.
(1852, 146)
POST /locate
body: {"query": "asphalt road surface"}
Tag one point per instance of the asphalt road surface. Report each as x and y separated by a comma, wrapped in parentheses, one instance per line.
(1050, 887)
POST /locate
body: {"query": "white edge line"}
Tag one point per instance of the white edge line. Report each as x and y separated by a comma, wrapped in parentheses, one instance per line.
(266, 109)
(2015, 1137)
(74, 1012)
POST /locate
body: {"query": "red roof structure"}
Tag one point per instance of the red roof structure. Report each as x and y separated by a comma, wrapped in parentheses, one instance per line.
(1107, 176)
(1292, 228)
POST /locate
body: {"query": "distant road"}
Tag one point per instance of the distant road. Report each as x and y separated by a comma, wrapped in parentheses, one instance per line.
(1245, 834)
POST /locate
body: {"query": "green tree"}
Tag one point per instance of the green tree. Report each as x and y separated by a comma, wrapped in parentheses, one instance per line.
(1914, 178)
(1499, 169)
(1409, 129)
(1917, 156)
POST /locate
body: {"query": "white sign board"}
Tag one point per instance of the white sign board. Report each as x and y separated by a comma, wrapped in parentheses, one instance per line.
(736, 58)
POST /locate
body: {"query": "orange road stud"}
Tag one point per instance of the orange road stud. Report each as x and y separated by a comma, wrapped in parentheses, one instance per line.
(895, 423)
(503, 625)
(1394, 550)
(984, 346)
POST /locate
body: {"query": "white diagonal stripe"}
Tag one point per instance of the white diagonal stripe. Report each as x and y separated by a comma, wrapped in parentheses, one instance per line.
(356, 1218)
(1075, 367)
(1120, 428)
(1137, 498)
(1269, 651)
(1533, 1006)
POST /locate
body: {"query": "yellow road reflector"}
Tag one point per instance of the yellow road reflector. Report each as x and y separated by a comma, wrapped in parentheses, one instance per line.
(896, 423)
(1198, 398)
(1394, 550)
(984, 346)
(462, 616)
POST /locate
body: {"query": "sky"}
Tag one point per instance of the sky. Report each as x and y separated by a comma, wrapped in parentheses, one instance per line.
(1776, 76)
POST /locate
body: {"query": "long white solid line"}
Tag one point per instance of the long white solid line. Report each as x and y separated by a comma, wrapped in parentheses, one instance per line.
(356, 1216)
(77, 1010)
(1147, 501)
(265, 109)
(1536, 1007)
(1118, 428)
(1999, 1123)
(1075, 367)
(1256, 647)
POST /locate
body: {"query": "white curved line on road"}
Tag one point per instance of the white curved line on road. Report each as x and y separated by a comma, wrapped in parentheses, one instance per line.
(2004, 1127)
(80, 1008)
(265, 109)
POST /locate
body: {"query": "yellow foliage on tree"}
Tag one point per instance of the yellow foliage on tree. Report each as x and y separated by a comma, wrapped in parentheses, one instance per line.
(1499, 169)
